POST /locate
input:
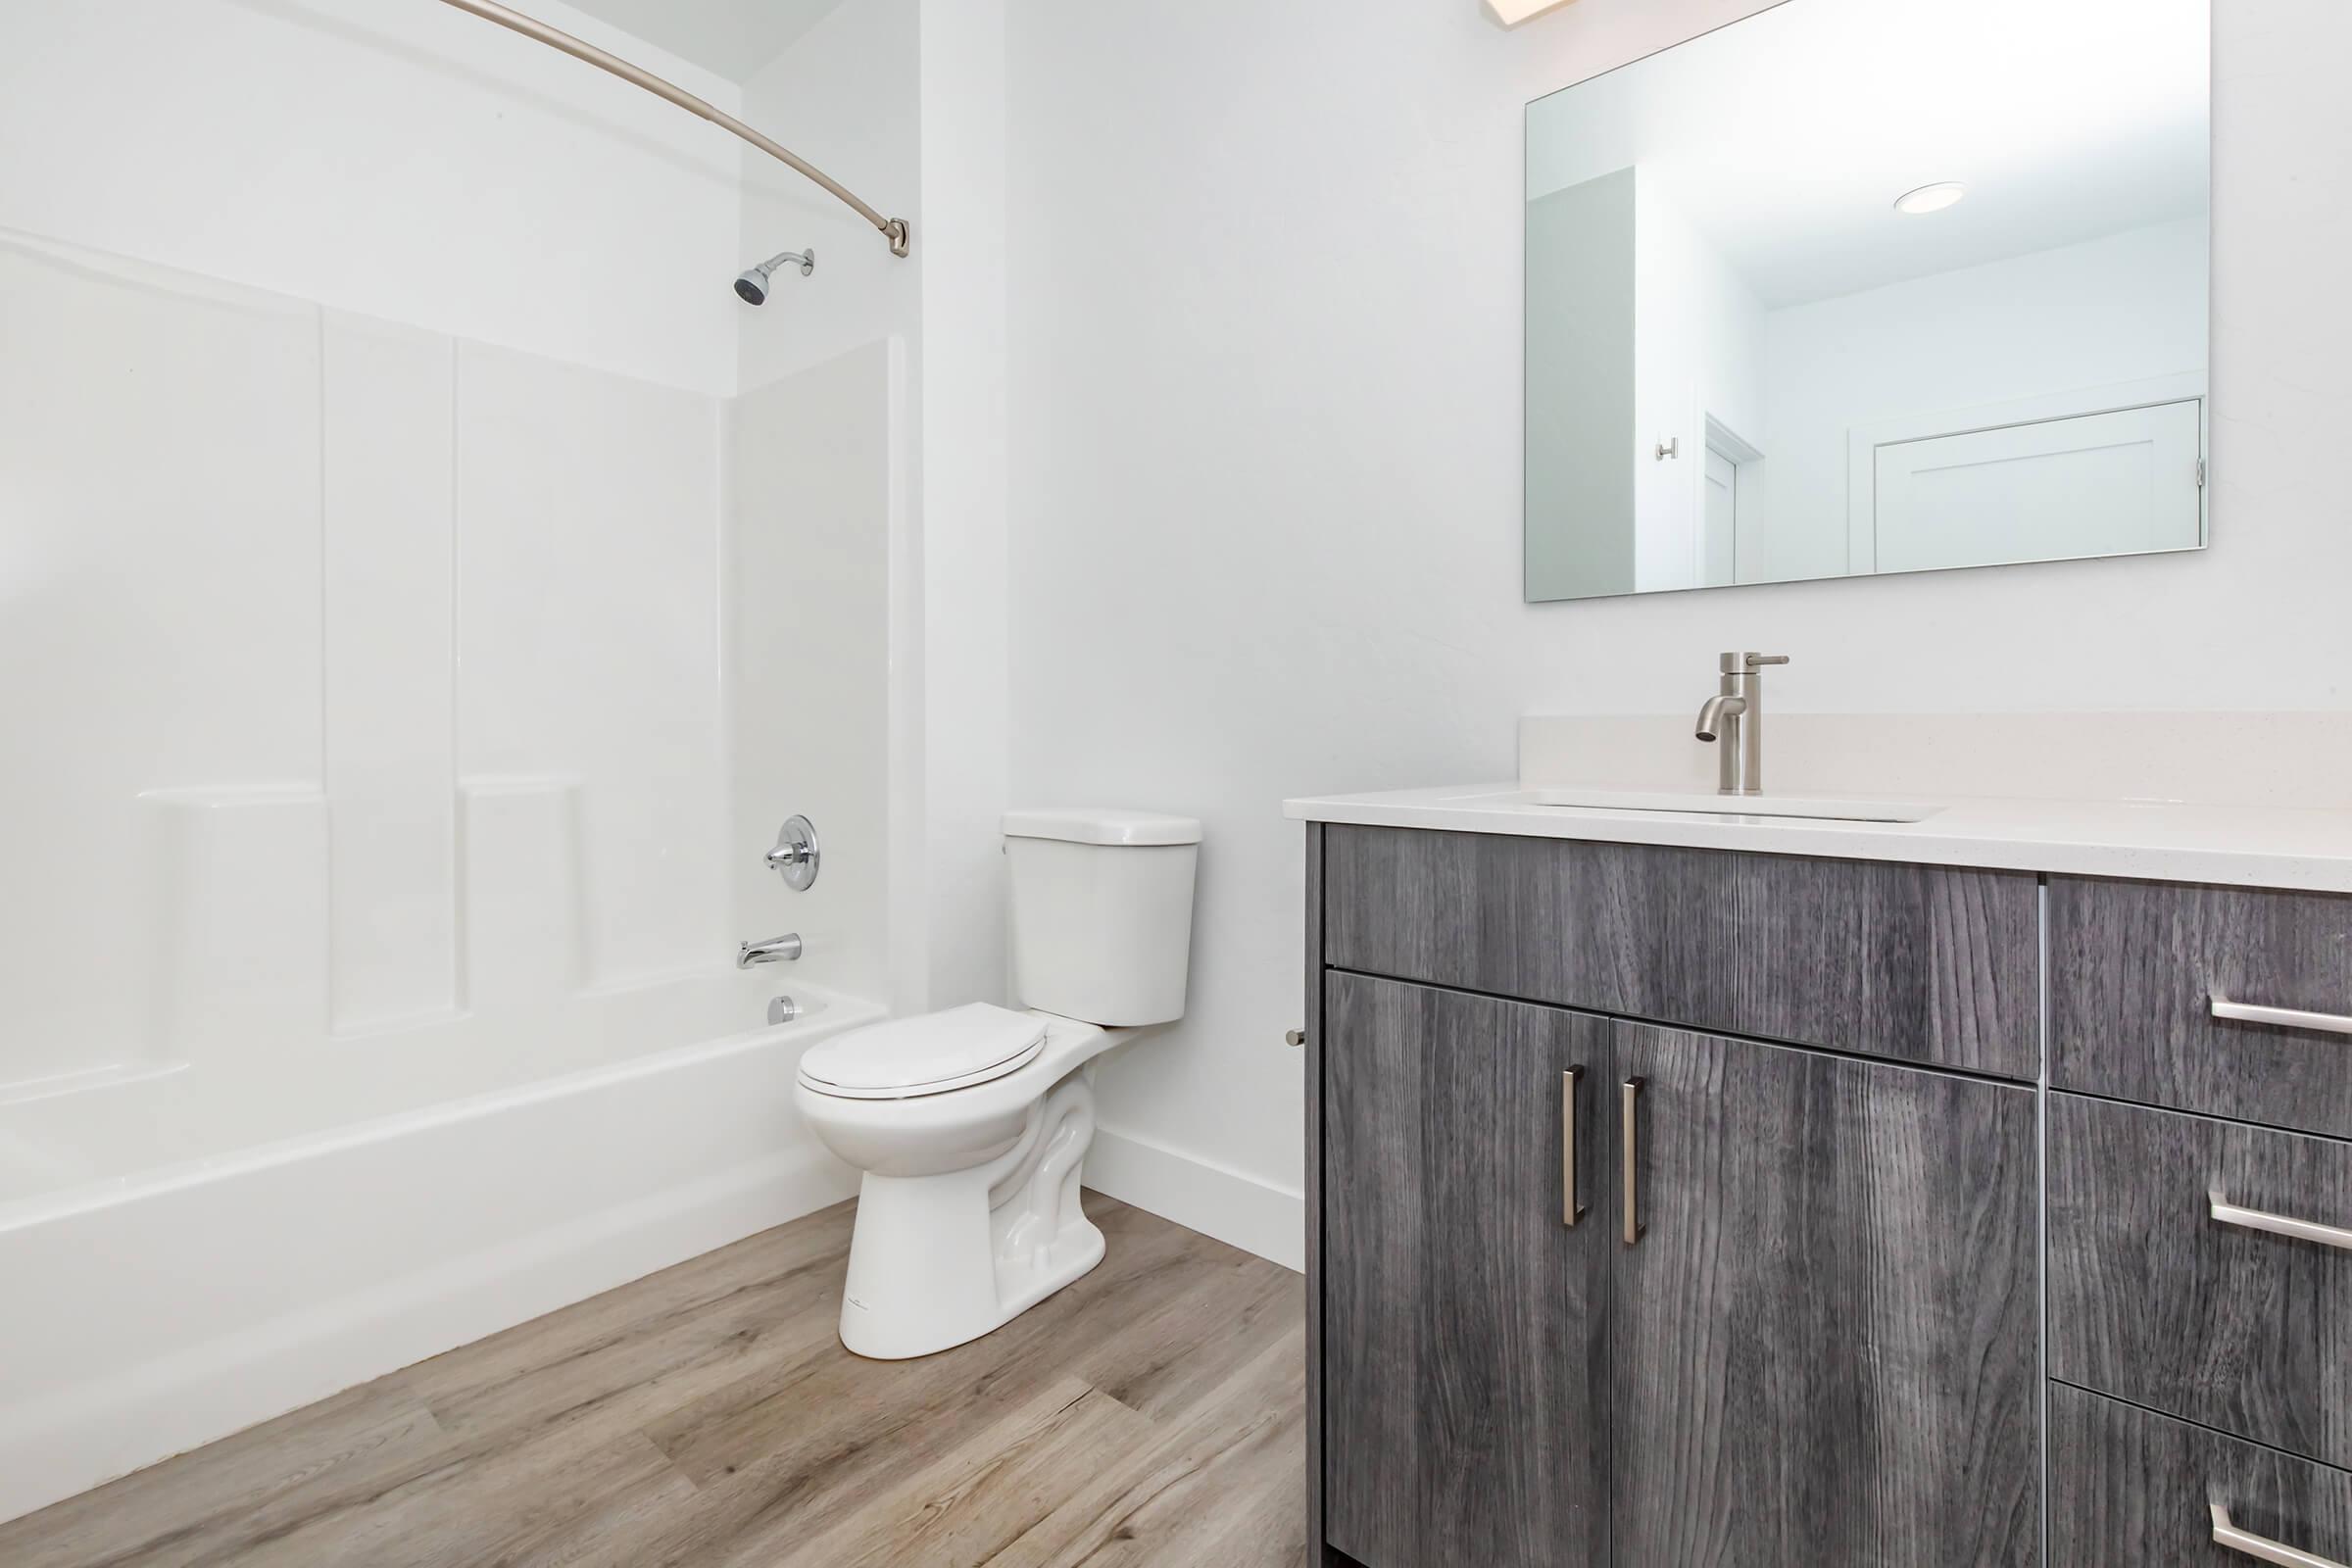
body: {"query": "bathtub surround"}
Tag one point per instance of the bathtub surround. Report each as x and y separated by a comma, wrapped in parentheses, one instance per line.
(423, 641)
(807, 671)
(262, 540)
(1321, 591)
(892, 95)
(330, 683)
(388, 680)
(383, 680)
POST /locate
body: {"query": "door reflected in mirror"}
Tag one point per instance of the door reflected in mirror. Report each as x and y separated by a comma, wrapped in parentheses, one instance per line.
(1861, 286)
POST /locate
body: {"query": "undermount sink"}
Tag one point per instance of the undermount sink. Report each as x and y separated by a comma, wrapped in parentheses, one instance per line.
(1712, 805)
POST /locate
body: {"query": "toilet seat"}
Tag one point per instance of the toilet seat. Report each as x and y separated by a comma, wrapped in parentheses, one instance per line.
(930, 1055)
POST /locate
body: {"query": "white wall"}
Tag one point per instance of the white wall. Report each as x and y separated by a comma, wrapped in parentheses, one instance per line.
(406, 162)
(1265, 442)
(2128, 307)
(844, 97)
(966, 724)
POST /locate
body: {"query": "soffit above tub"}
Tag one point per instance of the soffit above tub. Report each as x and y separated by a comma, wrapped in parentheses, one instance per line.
(733, 37)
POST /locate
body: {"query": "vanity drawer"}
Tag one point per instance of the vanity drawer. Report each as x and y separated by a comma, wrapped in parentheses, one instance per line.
(2130, 1489)
(2155, 1300)
(2137, 969)
(1919, 964)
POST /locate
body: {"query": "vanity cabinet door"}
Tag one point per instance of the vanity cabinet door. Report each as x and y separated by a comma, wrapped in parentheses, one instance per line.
(1824, 1336)
(1464, 1345)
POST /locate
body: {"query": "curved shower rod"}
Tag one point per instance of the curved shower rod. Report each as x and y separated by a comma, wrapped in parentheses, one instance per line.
(893, 229)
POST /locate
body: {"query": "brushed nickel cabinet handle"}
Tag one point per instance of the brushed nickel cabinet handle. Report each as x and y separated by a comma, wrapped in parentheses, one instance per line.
(1632, 1109)
(2328, 1023)
(2226, 1212)
(2261, 1549)
(1572, 1208)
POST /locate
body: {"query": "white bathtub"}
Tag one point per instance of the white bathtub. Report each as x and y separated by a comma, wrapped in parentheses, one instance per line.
(183, 1253)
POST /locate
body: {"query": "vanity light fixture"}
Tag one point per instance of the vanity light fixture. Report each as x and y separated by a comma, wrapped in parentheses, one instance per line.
(1511, 13)
(1930, 198)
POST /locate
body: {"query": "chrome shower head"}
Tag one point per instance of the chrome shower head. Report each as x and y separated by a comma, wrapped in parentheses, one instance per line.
(752, 286)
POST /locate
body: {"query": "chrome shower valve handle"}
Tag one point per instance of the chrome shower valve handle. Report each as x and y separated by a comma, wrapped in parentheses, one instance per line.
(795, 858)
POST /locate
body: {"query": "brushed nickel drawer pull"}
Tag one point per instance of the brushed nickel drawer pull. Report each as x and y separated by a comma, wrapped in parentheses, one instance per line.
(1572, 1208)
(2329, 1024)
(1632, 1104)
(2226, 1534)
(2302, 1230)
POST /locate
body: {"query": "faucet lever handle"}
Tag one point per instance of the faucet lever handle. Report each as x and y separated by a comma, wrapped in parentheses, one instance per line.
(1756, 660)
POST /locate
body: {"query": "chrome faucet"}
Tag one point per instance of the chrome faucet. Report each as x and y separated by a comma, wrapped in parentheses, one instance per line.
(775, 949)
(1734, 718)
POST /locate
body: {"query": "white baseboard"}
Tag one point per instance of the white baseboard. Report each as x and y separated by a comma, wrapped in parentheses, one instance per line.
(1238, 1209)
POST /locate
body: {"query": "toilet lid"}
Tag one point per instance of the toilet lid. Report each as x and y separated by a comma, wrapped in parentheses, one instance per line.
(926, 1054)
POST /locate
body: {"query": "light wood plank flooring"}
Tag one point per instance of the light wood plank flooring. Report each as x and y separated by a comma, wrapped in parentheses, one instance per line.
(708, 1415)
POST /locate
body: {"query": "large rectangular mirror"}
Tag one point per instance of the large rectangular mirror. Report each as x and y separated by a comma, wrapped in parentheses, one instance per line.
(1858, 286)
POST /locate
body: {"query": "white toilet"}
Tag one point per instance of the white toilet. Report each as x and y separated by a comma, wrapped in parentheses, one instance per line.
(970, 1124)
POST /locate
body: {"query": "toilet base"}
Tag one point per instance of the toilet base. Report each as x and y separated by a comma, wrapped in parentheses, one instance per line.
(937, 1262)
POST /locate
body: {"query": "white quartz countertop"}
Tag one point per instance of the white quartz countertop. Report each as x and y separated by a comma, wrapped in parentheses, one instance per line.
(2244, 846)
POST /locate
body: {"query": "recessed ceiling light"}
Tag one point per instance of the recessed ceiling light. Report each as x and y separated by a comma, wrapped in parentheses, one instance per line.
(1511, 13)
(1930, 198)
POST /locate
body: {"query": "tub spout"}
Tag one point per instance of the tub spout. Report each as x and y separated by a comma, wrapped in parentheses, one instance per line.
(775, 949)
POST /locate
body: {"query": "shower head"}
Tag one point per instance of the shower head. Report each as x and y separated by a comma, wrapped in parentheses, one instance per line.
(753, 284)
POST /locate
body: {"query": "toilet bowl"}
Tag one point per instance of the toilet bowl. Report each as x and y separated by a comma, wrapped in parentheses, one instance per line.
(971, 1125)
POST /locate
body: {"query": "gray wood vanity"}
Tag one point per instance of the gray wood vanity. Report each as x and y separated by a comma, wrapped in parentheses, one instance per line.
(1675, 1206)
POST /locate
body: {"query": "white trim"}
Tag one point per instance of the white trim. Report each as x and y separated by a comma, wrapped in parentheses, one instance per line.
(1729, 442)
(1746, 459)
(1237, 1209)
(1863, 440)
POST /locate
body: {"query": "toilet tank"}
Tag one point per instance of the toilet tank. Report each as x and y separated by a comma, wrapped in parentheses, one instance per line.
(1102, 913)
